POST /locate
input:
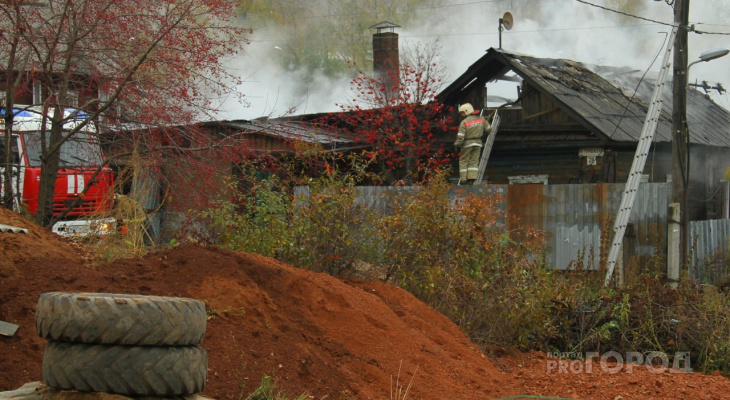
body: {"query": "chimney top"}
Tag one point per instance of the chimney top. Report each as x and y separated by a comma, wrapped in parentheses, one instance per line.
(385, 25)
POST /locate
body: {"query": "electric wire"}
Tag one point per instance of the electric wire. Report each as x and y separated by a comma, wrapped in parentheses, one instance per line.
(625, 13)
(708, 33)
(516, 32)
(705, 23)
(530, 31)
(690, 28)
(636, 89)
(397, 10)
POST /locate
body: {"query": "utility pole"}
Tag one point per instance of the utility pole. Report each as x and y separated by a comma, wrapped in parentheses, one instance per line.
(680, 134)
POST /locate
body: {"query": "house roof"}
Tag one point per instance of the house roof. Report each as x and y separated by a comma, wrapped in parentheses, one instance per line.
(602, 101)
(290, 129)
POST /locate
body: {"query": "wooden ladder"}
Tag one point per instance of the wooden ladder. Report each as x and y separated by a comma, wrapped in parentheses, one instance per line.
(487, 148)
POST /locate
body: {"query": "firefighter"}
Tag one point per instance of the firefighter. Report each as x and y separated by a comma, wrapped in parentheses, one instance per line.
(469, 138)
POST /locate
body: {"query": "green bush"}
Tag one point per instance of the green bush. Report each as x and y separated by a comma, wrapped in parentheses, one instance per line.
(267, 390)
(461, 259)
(318, 227)
(470, 262)
(328, 231)
(255, 221)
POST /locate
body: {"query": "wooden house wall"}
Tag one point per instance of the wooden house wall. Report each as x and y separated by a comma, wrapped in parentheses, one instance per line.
(503, 163)
(707, 166)
(85, 91)
(707, 174)
(539, 110)
(267, 143)
(538, 138)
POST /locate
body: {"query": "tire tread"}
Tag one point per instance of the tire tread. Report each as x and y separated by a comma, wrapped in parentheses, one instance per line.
(125, 370)
(118, 319)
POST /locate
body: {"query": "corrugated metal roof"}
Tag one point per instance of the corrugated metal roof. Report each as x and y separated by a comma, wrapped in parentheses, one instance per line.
(11, 229)
(709, 123)
(597, 102)
(294, 130)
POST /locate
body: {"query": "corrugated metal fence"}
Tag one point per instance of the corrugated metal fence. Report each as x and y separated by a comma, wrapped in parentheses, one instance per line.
(578, 219)
(710, 248)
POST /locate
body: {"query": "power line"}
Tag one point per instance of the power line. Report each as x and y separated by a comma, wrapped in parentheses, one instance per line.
(705, 23)
(449, 5)
(636, 89)
(624, 13)
(529, 31)
(397, 9)
(493, 33)
(690, 28)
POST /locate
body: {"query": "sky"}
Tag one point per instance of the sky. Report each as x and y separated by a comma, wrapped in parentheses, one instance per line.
(466, 29)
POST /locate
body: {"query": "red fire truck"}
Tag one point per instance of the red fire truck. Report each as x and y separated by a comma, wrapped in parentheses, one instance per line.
(81, 156)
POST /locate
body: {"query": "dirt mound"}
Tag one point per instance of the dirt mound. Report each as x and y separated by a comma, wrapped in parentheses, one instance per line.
(37, 246)
(312, 332)
(331, 338)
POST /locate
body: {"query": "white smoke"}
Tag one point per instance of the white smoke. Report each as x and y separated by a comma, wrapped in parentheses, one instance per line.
(272, 90)
(466, 29)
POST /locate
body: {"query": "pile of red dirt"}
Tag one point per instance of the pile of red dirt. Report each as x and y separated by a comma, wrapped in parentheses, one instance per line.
(328, 337)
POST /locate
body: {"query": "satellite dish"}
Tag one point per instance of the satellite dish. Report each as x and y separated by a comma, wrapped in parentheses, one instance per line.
(507, 21)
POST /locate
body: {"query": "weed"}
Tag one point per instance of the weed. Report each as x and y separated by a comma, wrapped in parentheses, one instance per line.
(211, 312)
(267, 391)
(134, 232)
(398, 392)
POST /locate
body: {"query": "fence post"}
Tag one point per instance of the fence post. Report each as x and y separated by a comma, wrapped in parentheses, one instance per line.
(620, 267)
(726, 199)
(628, 249)
(674, 231)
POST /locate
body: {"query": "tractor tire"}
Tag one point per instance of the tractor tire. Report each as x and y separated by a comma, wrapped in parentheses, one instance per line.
(121, 319)
(125, 370)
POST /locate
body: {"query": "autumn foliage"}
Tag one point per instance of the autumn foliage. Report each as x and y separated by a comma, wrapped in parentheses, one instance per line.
(398, 119)
(130, 64)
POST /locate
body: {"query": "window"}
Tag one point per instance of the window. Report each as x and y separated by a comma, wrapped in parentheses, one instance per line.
(81, 150)
(72, 99)
(37, 92)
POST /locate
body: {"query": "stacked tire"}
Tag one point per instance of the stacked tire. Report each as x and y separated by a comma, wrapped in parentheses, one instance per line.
(131, 345)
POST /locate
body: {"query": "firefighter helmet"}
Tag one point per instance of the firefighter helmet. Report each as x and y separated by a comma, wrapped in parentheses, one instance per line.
(466, 108)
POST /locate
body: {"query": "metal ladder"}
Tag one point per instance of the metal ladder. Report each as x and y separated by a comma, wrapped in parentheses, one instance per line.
(642, 151)
(487, 148)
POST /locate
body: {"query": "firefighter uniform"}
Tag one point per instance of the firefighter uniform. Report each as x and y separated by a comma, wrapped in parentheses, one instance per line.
(469, 138)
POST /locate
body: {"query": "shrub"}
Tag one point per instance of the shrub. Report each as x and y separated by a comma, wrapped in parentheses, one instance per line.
(459, 257)
(318, 226)
(328, 230)
(456, 253)
(255, 221)
(267, 390)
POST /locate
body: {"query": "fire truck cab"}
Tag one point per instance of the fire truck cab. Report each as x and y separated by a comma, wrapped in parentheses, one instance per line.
(82, 189)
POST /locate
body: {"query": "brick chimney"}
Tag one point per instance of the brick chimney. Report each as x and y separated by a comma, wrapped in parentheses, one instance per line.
(386, 62)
